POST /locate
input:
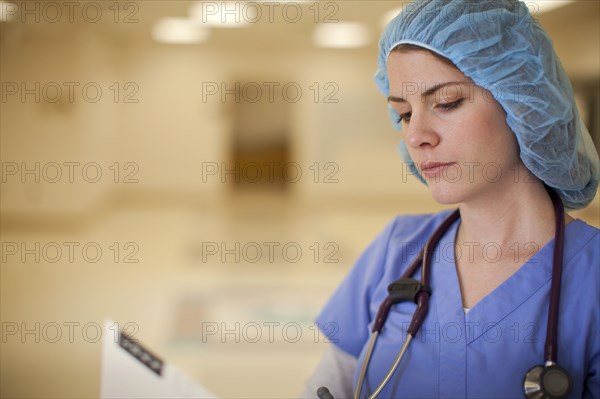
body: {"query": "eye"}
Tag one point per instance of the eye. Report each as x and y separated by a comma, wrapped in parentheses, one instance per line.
(451, 105)
(404, 117)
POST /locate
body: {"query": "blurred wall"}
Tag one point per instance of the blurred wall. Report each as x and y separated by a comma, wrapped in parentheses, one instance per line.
(119, 196)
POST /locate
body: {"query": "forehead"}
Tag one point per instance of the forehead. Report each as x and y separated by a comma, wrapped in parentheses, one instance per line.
(419, 69)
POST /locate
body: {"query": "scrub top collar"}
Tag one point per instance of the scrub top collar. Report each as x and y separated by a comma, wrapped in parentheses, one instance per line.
(527, 281)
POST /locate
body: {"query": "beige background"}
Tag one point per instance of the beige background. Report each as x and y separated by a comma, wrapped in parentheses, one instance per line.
(162, 212)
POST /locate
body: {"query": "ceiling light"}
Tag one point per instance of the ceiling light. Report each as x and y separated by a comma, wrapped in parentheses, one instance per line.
(225, 14)
(388, 16)
(542, 6)
(535, 7)
(179, 31)
(7, 11)
(341, 35)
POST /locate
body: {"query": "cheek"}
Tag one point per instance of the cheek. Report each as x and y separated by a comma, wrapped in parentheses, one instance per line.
(494, 135)
(504, 140)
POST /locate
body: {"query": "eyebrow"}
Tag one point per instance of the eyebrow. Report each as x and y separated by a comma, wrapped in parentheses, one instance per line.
(429, 91)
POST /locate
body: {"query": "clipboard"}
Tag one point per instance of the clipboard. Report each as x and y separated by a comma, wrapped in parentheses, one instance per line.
(131, 370)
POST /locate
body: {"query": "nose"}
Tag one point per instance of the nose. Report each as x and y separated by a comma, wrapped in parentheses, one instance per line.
(420, 132)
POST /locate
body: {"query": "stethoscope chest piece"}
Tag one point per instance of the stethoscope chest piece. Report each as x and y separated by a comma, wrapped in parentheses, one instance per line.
(547, 382)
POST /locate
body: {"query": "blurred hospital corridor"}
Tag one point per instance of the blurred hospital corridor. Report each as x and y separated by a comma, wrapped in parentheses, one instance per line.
(204, 174)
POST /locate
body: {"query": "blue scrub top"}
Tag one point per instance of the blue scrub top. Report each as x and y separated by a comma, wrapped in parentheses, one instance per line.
(486, 352)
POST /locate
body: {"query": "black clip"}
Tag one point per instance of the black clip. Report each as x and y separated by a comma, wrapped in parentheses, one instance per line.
(406, 289)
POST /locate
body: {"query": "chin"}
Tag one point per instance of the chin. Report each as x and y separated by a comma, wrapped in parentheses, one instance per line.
(447, 193)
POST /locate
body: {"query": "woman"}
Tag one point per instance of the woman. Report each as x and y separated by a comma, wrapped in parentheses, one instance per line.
(489, 123)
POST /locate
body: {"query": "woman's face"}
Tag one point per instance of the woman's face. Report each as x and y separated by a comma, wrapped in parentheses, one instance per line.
(455, 131)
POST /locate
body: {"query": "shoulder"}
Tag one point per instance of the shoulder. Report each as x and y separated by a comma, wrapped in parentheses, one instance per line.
(580, 287)
(407, 234)
(414, 228)
(354, 303)
(583, 232)
(582, 246)
(580, 293)
(401, 240)
(403, 236)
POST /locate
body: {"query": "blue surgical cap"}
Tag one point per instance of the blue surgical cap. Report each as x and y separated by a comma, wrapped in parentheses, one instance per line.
(502, 48)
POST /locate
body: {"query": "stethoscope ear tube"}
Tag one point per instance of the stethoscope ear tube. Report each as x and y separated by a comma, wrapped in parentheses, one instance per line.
(550, 381)
(550, 348)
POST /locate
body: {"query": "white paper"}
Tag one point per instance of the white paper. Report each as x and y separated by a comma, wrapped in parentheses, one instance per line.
(126, 376)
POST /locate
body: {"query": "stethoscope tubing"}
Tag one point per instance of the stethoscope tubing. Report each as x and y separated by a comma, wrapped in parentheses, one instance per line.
(422, 297)
(551, 346)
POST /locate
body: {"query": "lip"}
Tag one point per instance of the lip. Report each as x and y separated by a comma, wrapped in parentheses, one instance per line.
(434, 168)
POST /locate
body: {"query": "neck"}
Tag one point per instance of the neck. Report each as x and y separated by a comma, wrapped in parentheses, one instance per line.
(520, 216)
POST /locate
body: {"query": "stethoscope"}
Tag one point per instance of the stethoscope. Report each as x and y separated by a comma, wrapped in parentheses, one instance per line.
(547, 381)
